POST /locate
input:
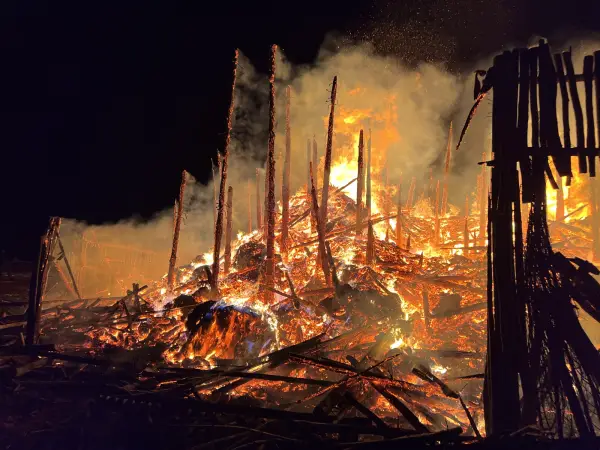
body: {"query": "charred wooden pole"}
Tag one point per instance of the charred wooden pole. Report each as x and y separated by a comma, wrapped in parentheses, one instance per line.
(579, 129)
(368, 200)
(328, 151)
(315, 163)
(270, 213)
(175, 208)
(447, 172)
(258, 205)
(173, 259)
(285, 187)
(228, 229)
(399, 216)
(370, 243)
(323, 259)
(588, 76)
(411, 195)
(223, 183)
(360, 183)
(249, 206)
(215, 193)
(436, 238)
(38, 281)
(483, 202)
(266, 201)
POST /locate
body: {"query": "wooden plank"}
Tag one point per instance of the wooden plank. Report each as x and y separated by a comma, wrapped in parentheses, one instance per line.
(580, 141)
(564, 95)
(588, 74)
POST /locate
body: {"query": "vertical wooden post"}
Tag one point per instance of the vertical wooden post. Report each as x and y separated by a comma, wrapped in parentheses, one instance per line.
(249, 206)
(173, 259)
(368, 200)
(223, 183)
(258, 205)
(411, 194)
(588, 75)
(370, 243)
(359, 184)
(315, 163)
(483, 203)
(320, 231)
(580, 135)
(270, 213)
(38, 281)
(564, 95)
(215, 194)
(285, 188)
(308, 151)
(328, 151)
(399, 216)
(447, 172)
(228, 229)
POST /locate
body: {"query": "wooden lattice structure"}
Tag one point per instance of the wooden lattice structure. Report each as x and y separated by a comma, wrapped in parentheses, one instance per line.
(541, 367)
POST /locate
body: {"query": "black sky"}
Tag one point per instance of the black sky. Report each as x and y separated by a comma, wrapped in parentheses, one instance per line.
(104, 103)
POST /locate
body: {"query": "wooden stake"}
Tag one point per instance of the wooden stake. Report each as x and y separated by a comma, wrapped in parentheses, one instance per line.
(359, 183)
(228, 226)
(399, 216)
(580, 135)
(173, 259)
(249, 188)
(447, 172)
(258, 207)
(223, 183)
(215, 195)
(270, 213)
(328, 150)
(320, 231)
(285, 187)
(368, 202)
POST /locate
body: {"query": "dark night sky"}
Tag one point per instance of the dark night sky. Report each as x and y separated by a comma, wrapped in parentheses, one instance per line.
(104, 103)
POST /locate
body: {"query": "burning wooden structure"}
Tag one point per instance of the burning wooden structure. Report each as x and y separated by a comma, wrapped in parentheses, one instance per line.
(321, 329)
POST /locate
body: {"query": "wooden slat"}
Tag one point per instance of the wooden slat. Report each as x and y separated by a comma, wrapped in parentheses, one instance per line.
(588, 74)
(564, 94)
(577, 109)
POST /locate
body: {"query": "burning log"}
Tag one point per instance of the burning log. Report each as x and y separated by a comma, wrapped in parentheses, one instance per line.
(320, 231)
(270, 211)
(221, 203)
(315, 174)
(368, 201)
(173, 260)
(285, 188)
(258, 207)
(328, 151)
(360, 183)
(447, 172)
(39, 280)
(228, 230)
(215, 194)
(399, 216)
